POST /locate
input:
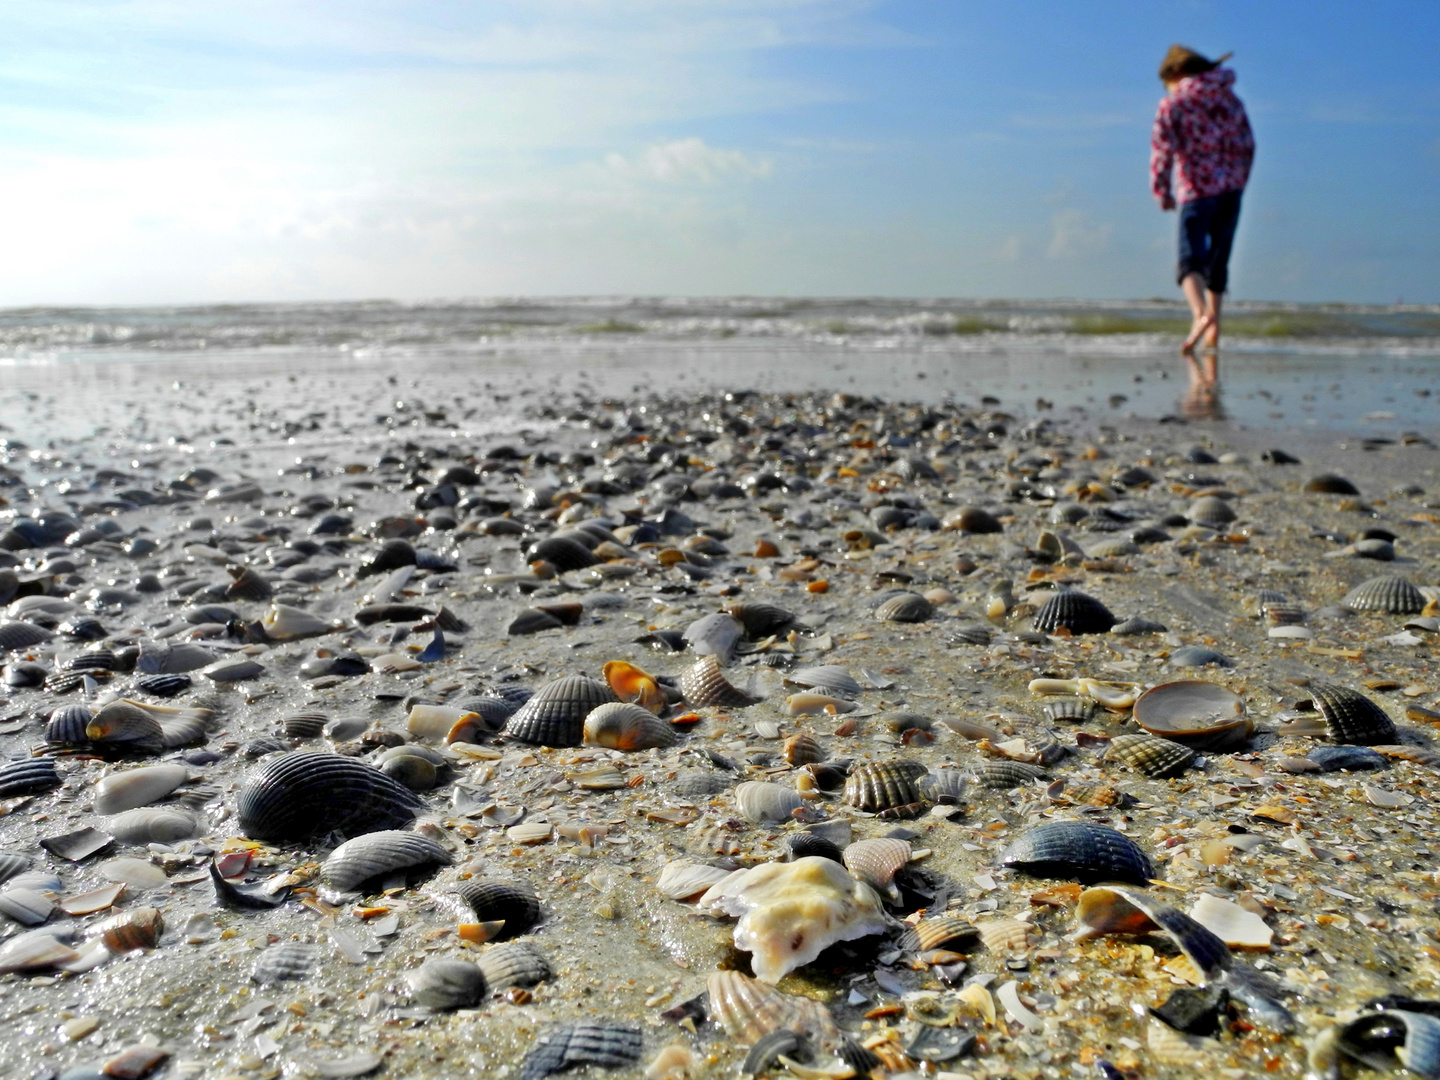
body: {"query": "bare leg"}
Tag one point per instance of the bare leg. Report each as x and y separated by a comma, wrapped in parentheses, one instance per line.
(1194, 289)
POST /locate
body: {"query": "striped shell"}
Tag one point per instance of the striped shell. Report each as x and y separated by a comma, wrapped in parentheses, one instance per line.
(134, 928)
(513, 963)
(286, 962)
(12, 863)
(127, 726)
(302, 794)
(802, 749)
(555, 716)
(885, 785)
(304, 725)
(1007, 774)
(761, 620)
(152, 825)
(447, 984)
(512, 902)
(1389, 593)
(1074, 710)
(67, 724)
(163, 685)
(876, 861)
(748, 1010)
(949, 785)
(830, 679)
(1004, 934)
(1073, 611)
(379, 855)
(1350, 716)
(28, 776)
(935, 932)
(623, 726)
(766, 804)
(1079, 851)
(906, 607)
(94, 660)
(685, 879)
(563, 552)
(1157, 758)
(704, 685)
(21, 635)
(589, 1042)
(1211, 511)
(807, 845)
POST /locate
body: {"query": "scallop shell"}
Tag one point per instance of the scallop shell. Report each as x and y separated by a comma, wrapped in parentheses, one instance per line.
(711, 839)
(1389, 593)
(802, 749)
(715, 635)
(152, 825)
(21, 635)
(949, 785)
(304, 725)
(1350, 716)
(163, 685)
(444, 984)
(829, 679)
(28, 776)
(1073, 710)
(623, 726)
(907, 607)
(513, 963)
(686, 880)
(124, 724)
(1078, 851)
(1157, 758)
(286, 962)
(1004, 934)
(1073, 611)
(761, 620)
(766, 804)
(603, 1043)
(1211, 511)
(379, 855)
(302, 794)
(1007, 774)
(555, 716)
(876, 861)
(12, 863)
(748, 1010)
(704, 685)
(806, 845)
(512, 902)
(936, 932)
(67, 724)
(134, 928)
(884, 785)
(1203, 715)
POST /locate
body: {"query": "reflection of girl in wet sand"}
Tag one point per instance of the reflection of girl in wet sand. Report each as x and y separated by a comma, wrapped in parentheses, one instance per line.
(1202, 137)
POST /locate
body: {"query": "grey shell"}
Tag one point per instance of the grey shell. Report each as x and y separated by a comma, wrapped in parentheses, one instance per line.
(174, 659)
(907, 607)
(608, 1045)
(511, 902)
(714, 635)
(495, 711)
(974, 519)
(704, 685)
(1199, 656)
(828, 678)
(1072, 710)
(447, 984)
(1079, 851)
(379, 855)
(532, 621)
(1138, 626)
(304, 725)
(513, 963)
(556, 715)
(1351, 716)
(286, 962)
(303, 794)
(67, 724)
(1389, 593)
(27, 777)
(874, 786)
(564, 553)
(21, 635)
(1007, 774)
(12, 863)
(1073, 611)
(163, 685)
(1379, 1039)
(763, 803)
(1211, 511)
(1350, 758)
(1155, 757)
(152, 825)
(761, 620)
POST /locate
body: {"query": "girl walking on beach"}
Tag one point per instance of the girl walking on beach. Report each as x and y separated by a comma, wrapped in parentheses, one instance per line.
(1201, 148)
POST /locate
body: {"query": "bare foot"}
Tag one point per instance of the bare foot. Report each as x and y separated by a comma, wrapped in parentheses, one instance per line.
(1198, 329)
(1210, 340)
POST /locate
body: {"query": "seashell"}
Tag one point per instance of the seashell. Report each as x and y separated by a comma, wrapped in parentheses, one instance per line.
(124, 725)
(936, 932)
(623, 726)
(791, 912)
(766, 804)
(28, 907)
(301, 794)
(447, 984)
(761, 620)
(802, 749)
(174, 659)
(1078, 851)
(1198, 656)
(609, 1045)
(134, 928)
(67, 724)
(704, 686)
(248, 584)
(686, 880)
(152, 825)
(393, 554)
(1203, 715)
(1231, 923)
(163, 685)
(35, 952)
(21, 635)
(237, 669)
(876, 862)
(971, 635)
(748, 1010)
(1114, 909)
(565, 553)
(1211, 511)
(513, 963)
(813, 704)
(1138, 626)
(1350, 716)
(715, 635)
(78, 845)
(1073, 611)
(121, 791)
(1157, 758)
(181, 731)
(1074, 710)
(555, 716)
(304, 725)
(28, 776)
(411, 769)
(973, 519)
(1330, 484)
(884, 785)
(286, 962)
(630, 684)
(1004, 773)
(948, 785)
(806, 845)
(1115, 548)
(1380, 1039)
(495, 711)
(1421, 755)
(532, 620)
(829, 679)
(513, 903)
(286, 623)
(96, 660)
(604, 777)
(12, 863)
(1004, 935)
(1389, 593)
(380, 855)
(907, 607)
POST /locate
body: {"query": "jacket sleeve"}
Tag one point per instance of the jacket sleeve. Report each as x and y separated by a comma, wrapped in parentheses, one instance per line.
(1162, 158)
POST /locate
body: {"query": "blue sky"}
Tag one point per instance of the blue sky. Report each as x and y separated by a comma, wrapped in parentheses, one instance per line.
(180, 150)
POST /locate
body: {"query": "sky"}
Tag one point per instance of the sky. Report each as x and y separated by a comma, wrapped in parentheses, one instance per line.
(183, 151)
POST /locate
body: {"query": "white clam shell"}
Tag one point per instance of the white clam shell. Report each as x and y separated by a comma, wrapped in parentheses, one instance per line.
(766, 804)
(121, 791)
(685, 879)
(1231, 923)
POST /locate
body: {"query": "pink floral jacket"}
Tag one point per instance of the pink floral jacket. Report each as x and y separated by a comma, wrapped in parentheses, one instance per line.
(1202, 134)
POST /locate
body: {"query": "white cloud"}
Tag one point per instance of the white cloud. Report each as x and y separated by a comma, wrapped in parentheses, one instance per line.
(1073, 233)
(688, 160)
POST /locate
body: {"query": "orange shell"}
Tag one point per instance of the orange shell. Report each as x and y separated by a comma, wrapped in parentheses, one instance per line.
(632, 684)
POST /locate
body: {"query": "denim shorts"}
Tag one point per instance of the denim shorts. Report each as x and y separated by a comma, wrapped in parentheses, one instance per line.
(1207, 232)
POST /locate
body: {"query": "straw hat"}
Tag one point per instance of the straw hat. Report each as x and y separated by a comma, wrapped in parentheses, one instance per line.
(1181, 61)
